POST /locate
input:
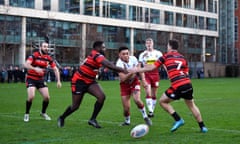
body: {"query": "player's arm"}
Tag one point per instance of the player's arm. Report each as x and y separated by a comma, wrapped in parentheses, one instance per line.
(57, 75)
(28, 65)
(142, 76)
(123, 77)
(146, 68)
(111, 66)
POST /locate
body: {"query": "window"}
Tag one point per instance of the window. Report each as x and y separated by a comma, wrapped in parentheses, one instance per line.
(154, 16)
(168, 18)
(236, 28)
(200, 5)
(179, 19)
(69, 6)
(91, 7)
(46, 5)
(114, 10)
(135, 13)
(24, 3)
(2, 2)
(166, 2)
(179, 3)
(235, 4)
(211, 24)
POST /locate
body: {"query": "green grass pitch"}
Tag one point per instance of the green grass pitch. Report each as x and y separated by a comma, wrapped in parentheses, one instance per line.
(218, 100)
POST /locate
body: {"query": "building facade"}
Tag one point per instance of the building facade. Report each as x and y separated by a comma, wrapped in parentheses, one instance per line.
(229, 43)
(237, 31)
(73, 25)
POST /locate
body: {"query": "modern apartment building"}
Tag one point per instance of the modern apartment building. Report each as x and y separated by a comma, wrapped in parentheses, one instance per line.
(229, 40)
(237, 31)
(73, 25)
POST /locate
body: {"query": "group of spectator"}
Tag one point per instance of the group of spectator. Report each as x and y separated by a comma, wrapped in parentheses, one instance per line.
(12, 74)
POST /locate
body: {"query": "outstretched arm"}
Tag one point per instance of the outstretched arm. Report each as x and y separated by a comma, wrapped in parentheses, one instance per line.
(111, 66)
(146, 68)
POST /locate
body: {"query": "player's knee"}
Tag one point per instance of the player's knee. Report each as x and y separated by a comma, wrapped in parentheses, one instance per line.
(101, 98)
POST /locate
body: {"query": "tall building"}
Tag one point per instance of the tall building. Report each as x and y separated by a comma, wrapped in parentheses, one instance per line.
(237, 31)
(229, 42)
(73, 25)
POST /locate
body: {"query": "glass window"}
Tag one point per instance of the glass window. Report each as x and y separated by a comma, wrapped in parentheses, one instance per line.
(10, 29)
(189, 21)
(166, 2)
(135, 13)
(69, 6)
(186, 3)
(66, 36)
(22, 3)
(154, 16)
(236, 28)
(114, 37)
(2, 2)
(211, 24)
(114, 10)
(168, 18)
(160, 39)
(212, 6)
(235, 4)
(179, 19)
(91, 7)
(200, 5)
(46, 5)
(201, 22)
(179, 3)
(210, 45)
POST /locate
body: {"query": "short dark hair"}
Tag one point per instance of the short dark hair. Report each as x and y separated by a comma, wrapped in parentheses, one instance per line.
(173, 43)
(97, 44)
(122, 48)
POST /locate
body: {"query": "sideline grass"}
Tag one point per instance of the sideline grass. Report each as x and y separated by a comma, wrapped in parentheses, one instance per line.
(218, 100)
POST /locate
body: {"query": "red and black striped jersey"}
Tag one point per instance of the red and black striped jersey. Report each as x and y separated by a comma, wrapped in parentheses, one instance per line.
(39, 60)
(90, 67)
(177, 68)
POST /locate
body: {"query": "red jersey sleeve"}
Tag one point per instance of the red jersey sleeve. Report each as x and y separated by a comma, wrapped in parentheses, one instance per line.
(100, 58)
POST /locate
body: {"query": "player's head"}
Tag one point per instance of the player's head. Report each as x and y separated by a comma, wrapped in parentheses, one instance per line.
(173, 44)
(123, 53)
(44, 47)
(99, 46)
(149, 43)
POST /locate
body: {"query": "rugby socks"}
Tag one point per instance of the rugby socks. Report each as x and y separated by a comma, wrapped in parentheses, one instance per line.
(154, 101)
(67, 112)
(97, 109)
(143, 111)
(149, 103)
(44, 106)
(28, 106)
(127, 119)
(176, 116)
(201, 124)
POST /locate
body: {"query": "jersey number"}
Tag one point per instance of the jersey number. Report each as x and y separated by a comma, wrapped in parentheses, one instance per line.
(179, 64)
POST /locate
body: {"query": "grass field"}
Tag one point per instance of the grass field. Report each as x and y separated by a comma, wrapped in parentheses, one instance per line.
(218, 100)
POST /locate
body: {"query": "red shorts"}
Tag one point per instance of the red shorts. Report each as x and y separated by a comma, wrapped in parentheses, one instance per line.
(128, 88)
(152, 79)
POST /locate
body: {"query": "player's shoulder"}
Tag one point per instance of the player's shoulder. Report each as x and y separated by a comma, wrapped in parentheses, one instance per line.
(143, 53)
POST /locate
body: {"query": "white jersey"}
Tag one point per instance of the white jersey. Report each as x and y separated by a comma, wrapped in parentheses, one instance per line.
(133, 62)
(149, 57)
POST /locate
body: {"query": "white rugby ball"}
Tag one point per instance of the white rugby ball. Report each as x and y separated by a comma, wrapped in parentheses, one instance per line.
(139, 131)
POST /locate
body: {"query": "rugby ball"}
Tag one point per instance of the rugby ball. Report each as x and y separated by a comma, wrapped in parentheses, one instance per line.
(139, 131)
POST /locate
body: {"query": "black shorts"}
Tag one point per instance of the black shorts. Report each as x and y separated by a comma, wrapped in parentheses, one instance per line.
(35, 83)
(185, 92)
(80, 87)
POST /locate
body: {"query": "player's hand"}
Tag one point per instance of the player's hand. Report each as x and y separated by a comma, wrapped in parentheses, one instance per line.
(144, 83)
(133, 70)
(39, 70)
(59, 84)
